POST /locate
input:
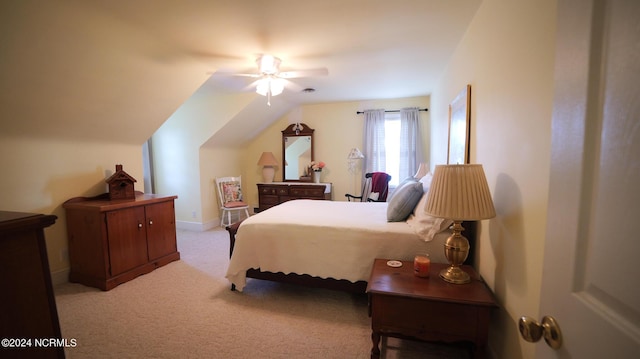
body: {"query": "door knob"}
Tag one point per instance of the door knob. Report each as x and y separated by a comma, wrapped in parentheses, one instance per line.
(532, 331)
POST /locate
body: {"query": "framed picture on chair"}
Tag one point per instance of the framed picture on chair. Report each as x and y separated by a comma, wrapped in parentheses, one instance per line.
(459, 120)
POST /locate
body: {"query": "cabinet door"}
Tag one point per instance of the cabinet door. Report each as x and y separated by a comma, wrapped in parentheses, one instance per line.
(127, 235)
(161, 229)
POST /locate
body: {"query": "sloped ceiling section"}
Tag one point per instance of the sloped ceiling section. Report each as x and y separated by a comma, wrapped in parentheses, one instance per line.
(247, 124)
(69, 70)
(116, 70)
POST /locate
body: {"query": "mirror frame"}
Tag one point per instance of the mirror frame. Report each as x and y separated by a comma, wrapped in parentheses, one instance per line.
(291, 132)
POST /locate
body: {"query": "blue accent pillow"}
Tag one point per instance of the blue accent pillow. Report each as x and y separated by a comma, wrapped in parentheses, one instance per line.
(404, 182)
(404, 201)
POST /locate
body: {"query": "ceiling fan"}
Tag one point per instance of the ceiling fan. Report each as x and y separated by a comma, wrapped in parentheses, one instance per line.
(271, 81)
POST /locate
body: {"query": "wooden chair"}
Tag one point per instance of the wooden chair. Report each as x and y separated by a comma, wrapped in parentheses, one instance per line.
(231, 200)
(375, 189)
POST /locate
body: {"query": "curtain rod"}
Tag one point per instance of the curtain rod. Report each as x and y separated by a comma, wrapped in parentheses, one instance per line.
(420, 109)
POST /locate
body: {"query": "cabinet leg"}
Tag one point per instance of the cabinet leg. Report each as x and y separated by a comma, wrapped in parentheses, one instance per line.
(375, 349)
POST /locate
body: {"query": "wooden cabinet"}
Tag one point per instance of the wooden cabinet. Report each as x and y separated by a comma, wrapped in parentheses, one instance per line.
(111, 242)
(27, 301)
(271, 194)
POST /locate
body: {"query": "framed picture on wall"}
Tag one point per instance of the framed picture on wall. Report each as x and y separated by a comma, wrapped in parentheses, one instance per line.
(459, 119)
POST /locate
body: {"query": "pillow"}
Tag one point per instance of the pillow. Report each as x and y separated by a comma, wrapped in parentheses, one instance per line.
(404, 201)
(404, 182)
(426, 182)
(231, 191)
(425, 225)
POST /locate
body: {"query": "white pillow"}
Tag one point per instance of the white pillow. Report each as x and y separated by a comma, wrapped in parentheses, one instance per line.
(426, 182)
(426, 226)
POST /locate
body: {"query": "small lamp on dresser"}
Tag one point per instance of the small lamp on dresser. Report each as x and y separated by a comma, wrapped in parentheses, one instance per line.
(459, 193)
(268, 161)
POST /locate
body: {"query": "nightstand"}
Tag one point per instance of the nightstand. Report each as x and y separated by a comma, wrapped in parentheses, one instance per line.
(403, 305)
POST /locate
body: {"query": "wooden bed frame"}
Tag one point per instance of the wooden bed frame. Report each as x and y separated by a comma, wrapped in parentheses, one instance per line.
(330, 283)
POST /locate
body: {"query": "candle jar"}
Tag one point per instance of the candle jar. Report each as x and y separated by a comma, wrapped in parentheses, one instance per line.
(421, 265)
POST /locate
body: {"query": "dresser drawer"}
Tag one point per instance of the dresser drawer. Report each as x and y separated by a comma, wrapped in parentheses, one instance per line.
(269, 199)
(305, 192)
(271, 194)
(274, 190)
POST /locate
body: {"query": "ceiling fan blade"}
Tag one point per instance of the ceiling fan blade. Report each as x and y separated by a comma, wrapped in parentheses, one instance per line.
(303, 73)
(250, 87)
(223, 73)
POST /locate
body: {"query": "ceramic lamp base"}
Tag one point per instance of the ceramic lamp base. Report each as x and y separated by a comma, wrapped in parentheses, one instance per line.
(268, 172)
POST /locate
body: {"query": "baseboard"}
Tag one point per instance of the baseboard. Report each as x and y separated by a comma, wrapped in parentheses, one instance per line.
(197, 226)
(60, 277)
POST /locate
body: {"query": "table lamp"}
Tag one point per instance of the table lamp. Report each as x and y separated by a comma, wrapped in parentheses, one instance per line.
(459, 193)
(268, 160)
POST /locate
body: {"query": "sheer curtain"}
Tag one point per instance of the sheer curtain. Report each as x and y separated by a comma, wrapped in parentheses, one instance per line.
(411, 154)
(375, 156)
(410, 142)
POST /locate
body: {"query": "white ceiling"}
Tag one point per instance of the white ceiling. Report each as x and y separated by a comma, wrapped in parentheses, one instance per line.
(135, 61)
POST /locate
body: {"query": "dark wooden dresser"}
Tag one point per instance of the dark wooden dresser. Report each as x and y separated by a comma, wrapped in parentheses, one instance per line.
(271, 194)
(112, 242)
(26, 300)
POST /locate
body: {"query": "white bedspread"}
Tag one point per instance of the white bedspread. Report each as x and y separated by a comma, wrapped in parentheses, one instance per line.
(326, 239)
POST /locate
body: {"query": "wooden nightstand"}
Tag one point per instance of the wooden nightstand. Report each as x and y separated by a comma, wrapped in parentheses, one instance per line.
(403, 305)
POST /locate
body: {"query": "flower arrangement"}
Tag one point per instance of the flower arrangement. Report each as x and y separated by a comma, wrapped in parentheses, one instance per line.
(316, 166)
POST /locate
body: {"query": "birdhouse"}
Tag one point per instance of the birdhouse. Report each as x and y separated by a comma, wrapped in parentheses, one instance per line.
(121, 185)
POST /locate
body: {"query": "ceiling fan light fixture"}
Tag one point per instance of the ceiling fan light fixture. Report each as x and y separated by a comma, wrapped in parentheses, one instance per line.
(277, 86)
(262, 87)
(268, 64)
(270, 85)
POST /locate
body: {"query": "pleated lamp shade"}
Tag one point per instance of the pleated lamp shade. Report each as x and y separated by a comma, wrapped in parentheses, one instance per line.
(460, 193)
(267, 159)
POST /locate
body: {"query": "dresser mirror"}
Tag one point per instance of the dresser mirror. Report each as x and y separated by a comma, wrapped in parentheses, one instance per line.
(297, 152)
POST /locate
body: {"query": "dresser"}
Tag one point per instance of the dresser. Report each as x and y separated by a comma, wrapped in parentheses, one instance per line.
(28, 304)
(274, 193)
(112, 242)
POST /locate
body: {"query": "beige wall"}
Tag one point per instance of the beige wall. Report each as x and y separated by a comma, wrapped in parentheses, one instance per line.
(337, 129)
(507, 55)
(178, 166)
(40, 174)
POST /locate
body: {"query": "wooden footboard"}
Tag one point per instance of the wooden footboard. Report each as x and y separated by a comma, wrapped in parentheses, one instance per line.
(297, 279)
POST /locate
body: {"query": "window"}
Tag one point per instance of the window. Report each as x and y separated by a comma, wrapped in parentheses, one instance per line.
(391, 142)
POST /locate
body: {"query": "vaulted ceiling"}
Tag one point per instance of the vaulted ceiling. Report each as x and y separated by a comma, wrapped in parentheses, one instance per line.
(116, 70)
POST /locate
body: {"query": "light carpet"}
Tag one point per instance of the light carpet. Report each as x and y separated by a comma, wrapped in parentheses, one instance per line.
(186, 310)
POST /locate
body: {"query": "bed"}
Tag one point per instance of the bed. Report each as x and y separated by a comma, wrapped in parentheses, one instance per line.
(329, 244)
